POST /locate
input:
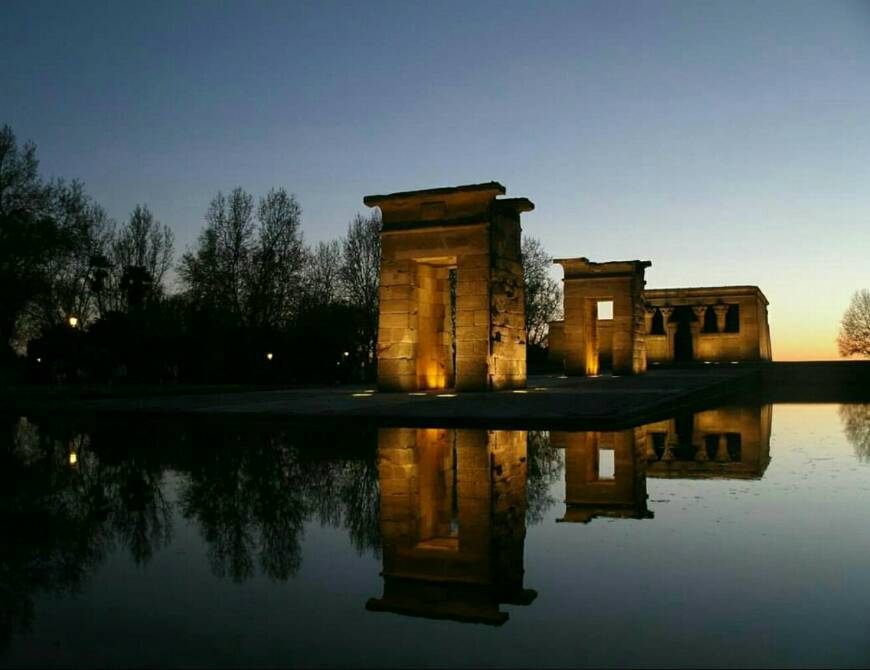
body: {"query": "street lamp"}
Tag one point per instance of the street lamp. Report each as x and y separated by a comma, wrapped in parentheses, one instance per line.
(270, 356)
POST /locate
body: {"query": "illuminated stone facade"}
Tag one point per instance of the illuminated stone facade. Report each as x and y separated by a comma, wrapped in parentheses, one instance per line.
(452, 516)
(586, 285)
(723, 323)
(423, 343)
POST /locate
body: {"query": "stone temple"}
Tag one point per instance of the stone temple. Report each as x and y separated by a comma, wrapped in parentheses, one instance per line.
(452, 309)
(611, 321)
(452, 303)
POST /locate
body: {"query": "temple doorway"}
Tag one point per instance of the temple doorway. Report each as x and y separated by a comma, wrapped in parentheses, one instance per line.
(683, 317)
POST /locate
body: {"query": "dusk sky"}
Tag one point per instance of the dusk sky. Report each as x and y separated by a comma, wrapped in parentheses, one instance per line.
(728, 143)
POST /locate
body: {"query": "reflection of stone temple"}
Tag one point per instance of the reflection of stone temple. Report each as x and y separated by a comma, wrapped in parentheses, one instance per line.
(730, 442)
(605, 474)
(452, 517)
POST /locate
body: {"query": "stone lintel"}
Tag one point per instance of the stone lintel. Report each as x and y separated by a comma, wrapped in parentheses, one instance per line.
(492, 188)
(471, 204)
(712, 294)
(583, 268)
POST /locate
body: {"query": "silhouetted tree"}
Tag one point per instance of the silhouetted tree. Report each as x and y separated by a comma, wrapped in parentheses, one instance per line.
(543, 293)
(88, 231)
(142, 254)
(249, 270)
(21, 189)
(854, 338)
(277, 260)
(213, 275)
(322, 275)
(49, 234)
(30, 238)
(360, 274)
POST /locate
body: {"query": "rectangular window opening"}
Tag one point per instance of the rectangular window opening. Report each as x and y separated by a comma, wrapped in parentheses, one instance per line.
(605, 310)
(606, 464)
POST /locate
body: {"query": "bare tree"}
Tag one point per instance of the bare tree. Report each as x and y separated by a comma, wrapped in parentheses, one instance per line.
(543, 293)
(88, 232)
(360, 273)
(21, 189)
(144, 242)
(277, 260)
(213, 274)
(248, 268)
(323, 273)
(854, 338)
(49, 235)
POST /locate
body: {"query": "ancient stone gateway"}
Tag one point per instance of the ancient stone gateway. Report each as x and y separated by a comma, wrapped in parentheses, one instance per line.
(427, 338)
(620, 285)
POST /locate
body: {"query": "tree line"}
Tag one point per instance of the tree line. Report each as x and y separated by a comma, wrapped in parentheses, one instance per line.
(86, 299)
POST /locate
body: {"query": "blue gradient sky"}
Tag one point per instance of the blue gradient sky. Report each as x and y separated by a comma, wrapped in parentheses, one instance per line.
(727, 142)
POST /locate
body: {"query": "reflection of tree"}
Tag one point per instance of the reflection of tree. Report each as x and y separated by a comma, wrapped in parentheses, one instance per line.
(248, 500)
(347, 494)
(856, 426)
(250, 491)
(545, 466)
(53, 531)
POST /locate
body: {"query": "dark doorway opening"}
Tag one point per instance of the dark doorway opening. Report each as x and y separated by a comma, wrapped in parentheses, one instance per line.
(683, 316)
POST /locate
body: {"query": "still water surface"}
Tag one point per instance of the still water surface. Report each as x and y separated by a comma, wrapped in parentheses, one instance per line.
(737, 536)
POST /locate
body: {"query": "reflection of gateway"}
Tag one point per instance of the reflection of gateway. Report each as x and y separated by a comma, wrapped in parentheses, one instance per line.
(604, 475)
(453, 505)
(731, 442)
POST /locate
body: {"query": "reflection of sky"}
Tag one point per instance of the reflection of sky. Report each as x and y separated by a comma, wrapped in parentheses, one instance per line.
(728, 572)
(725, 142)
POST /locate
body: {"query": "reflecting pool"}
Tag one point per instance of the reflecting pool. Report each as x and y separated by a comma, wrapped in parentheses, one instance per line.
(733, 536)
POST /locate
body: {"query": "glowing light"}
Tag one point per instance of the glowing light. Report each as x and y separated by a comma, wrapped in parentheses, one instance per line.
(446, 395)
(540, 388)
(73, 458)
(73, 321)
(708, 362)
(361, 395)
(270, 356)
(369, 390)
(418, 393)
(519, 391)
(346, 354)
(38, 359)
(735, 362)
